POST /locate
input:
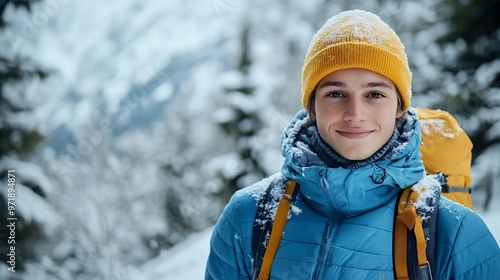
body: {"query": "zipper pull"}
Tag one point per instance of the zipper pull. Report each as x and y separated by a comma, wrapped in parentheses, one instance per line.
(327, 236)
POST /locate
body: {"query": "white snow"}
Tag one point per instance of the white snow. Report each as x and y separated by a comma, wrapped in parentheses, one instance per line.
(426, 188)
(228, 165)
(437, 127)
(28, 204)
(296, 210)
(184, 261)
(28, 172)
(35, 209)
(163, 92)
(338, 24)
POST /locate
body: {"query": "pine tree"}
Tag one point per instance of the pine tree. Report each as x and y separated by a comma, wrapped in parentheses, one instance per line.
(474, 68)
(242, 121)
(14, 139)
(17, 144)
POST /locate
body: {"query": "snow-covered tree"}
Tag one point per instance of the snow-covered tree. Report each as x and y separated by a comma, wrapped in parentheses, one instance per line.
(239, 119)
(20, 139)
(111, 202)
(458, 70)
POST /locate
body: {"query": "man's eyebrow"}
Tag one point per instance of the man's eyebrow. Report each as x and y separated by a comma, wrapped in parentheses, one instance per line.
(379, 84)
(333, 84)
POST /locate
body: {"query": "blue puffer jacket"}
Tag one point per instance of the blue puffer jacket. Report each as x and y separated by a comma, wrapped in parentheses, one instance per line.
(341, 224)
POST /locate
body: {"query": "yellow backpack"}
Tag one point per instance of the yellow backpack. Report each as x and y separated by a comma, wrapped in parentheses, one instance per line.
(446, 151)
(446, 148)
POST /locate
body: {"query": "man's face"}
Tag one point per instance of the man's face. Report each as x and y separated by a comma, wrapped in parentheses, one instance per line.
(356, 111)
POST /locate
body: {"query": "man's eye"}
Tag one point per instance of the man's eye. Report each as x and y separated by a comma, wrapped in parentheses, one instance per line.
(334, 94)
(376, 95)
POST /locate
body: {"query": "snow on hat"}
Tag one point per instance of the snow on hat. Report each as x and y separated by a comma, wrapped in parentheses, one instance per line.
(356, 39)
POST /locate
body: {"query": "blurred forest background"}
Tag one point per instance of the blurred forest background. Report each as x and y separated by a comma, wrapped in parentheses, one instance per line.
(130, 123)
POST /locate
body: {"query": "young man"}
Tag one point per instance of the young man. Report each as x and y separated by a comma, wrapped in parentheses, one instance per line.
(352, 152)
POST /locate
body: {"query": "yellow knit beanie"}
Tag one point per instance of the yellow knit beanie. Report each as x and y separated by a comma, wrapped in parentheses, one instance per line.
(356, 39)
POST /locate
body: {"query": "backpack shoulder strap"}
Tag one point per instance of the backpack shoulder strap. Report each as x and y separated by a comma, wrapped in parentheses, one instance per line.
(415, 224)
(429, 223)
(262, 225)
(267, 235)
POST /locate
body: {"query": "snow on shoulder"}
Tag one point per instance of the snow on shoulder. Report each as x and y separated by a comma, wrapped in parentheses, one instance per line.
(258, 189)
(428, 187)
